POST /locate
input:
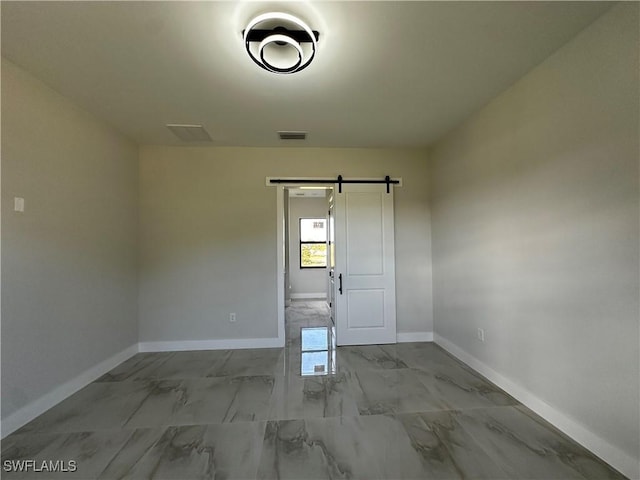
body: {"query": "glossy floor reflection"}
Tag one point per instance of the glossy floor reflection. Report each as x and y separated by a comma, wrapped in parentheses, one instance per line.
(317, 351)
(309, 410)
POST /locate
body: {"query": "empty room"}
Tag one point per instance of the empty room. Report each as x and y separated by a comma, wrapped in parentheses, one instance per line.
(309, 240)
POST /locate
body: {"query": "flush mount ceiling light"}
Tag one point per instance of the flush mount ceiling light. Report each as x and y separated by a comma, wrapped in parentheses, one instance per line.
(280, 42)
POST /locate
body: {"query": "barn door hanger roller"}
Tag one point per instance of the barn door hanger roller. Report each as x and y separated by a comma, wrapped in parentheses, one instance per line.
(280, 42)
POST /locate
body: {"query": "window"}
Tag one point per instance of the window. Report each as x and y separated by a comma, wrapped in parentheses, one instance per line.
(313, 243)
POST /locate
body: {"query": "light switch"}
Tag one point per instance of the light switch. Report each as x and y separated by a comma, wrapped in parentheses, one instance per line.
(18, 204)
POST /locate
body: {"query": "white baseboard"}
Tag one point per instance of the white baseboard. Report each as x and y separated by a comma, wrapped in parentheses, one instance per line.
(30, 411)
(221, 344)
(27, 413)
(611, 454)
(405, 337)
(309, 296)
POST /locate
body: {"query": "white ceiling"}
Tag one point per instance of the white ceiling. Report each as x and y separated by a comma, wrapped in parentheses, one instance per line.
(386, 74)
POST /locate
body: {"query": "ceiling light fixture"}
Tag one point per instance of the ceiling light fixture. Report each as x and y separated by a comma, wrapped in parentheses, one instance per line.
(280, 42)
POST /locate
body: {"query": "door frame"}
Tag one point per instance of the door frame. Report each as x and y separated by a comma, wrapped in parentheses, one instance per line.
(280, 240)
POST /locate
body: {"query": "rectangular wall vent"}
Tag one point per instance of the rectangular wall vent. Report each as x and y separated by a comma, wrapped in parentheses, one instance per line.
(189, 133)
(292, 135)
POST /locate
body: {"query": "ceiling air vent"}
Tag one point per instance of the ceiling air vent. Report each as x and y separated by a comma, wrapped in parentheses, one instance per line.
(292, 135)
(189, 133)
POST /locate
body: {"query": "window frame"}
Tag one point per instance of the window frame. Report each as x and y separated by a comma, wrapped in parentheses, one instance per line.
(306, 242)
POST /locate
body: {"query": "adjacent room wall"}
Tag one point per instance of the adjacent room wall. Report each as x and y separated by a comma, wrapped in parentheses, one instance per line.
(69, 273)
(305, 281)
(208, 236)
(535, 238)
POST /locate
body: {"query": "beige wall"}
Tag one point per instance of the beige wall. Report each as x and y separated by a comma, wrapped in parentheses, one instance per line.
(69, 281)
(309, 280)
(535, 232)
(208, 236)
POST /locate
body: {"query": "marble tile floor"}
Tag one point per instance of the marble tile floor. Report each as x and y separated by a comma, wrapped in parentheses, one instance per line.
(307, 411)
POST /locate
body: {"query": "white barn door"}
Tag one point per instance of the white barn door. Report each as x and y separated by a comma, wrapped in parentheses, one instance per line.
(365, 265)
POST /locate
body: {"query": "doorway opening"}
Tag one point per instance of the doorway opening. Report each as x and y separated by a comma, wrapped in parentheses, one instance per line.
(309, 329)
(306, 242)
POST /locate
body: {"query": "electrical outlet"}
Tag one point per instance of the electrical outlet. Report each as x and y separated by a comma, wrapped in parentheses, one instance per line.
(481, 334)
(232, 317)
(18, 204)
